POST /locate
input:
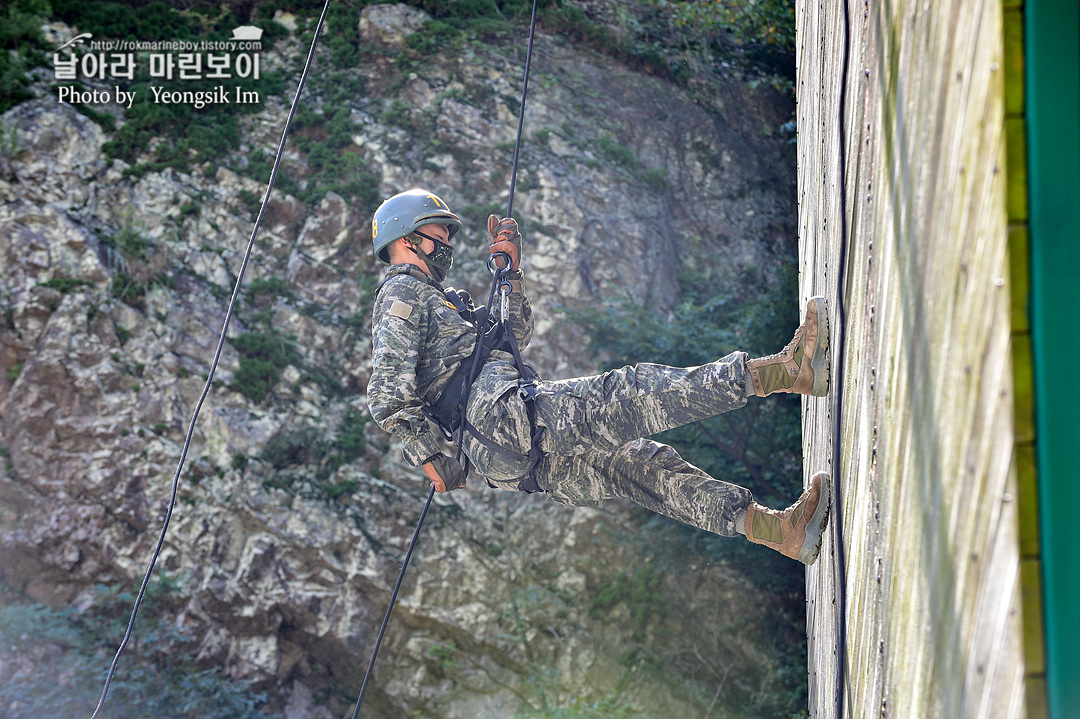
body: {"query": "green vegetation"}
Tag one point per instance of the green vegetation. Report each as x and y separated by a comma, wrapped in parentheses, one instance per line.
(304, 446)
(435, 36)
(263, 291)
(656, 178)
(655, 37)
(444, 655)
(763, 24)
(142, 265)
(107, 121)
(643, 53)
(64, 285)
(262, 357)
(619, 154)
(287, 449)
(122, 334)
(457, 21)
(293, 448)
(332, 158)
(760, 34)
(349, 442)
(640, 592)
(9, 148)
(343, 35)
(158, 677)
(22, 47)
(14, 371)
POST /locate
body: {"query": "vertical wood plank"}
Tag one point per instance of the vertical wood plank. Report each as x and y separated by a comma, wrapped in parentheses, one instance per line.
(923, 616)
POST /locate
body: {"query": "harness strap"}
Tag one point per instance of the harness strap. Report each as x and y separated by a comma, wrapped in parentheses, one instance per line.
(533, 456)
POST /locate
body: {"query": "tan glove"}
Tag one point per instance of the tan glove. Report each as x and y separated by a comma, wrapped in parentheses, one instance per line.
(446, 472)
(505, 237)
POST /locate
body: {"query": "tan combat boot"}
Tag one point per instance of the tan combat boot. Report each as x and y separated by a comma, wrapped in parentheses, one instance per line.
(801, 366)
(795, 532)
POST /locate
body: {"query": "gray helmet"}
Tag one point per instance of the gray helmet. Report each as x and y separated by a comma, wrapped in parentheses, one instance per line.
(406, 212)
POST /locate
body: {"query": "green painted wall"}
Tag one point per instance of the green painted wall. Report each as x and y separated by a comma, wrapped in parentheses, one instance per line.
(1053, 123)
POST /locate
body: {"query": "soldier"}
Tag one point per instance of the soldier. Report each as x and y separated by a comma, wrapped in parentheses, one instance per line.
(580, 441)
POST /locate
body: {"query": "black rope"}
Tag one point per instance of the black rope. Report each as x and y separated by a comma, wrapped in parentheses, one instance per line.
(213, 368)
(521, 113)
(497, 280)
(838, 343)
(393, 600)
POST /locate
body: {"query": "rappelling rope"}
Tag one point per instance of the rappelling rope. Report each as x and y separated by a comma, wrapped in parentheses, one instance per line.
(838, 343)
(214, 364)
(498, 280)
(521, 114)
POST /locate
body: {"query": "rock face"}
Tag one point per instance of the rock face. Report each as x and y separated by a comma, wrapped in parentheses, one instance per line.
(390, 24)
(114, 292)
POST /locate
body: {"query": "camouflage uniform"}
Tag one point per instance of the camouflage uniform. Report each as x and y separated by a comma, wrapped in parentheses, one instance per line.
(591, 441)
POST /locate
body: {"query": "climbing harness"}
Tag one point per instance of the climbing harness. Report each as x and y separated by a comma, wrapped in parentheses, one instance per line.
(450, 408)
(448, 411)
(213, 365)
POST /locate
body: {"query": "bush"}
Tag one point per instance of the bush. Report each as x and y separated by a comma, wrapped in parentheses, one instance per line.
(64, 285)
(434, 36)
(158, 678)
(349, 442)
(617, 153)
(278, 350)
(641, 593)
(262, 357)
(268, 289)
(656, 178)
(287, 449)
(13, 372)
(21, 47)
(334, 162)
(342, 33)
(255, 378)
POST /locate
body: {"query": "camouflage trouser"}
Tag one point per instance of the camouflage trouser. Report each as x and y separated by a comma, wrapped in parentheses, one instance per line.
(592, 439)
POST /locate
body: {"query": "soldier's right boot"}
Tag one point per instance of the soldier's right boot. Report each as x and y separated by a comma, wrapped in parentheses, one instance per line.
(797, 531)
(802, 365)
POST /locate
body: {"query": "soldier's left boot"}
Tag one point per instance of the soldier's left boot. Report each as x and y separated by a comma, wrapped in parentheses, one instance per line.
(797, 531)
(801, 366)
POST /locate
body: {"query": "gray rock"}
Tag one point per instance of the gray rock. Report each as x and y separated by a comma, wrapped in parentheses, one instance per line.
(58, 151)
(389, 23)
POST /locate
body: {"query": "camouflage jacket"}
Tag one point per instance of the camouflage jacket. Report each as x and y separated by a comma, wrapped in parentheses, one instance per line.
(419, 340)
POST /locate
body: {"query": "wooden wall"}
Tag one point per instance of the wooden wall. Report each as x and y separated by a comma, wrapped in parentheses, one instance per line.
(914, 607)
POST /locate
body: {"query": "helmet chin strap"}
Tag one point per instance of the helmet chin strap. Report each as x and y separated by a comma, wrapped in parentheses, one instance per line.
(431, 267)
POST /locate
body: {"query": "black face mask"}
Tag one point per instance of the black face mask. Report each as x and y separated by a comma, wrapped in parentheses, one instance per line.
(441, 258)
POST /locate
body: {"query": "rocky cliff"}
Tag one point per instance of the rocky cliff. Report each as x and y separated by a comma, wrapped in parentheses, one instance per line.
(294, 510)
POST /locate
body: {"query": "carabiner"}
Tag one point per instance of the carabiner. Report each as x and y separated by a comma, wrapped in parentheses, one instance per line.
(492, 267)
